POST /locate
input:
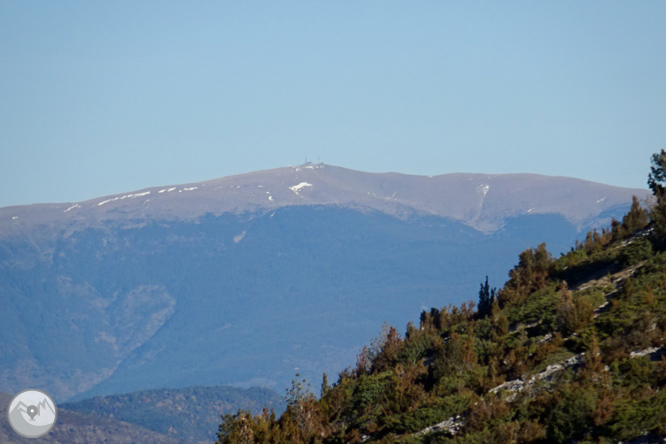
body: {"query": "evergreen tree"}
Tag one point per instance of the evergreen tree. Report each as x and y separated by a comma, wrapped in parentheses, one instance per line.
(324, 386)
(656, 182)
(486, 299)
(636, 218)
(657, 176)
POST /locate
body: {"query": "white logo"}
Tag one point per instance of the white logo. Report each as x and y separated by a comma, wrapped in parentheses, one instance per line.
(32, 413)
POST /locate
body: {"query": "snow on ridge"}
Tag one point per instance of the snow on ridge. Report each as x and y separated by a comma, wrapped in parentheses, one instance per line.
(300, 186)
(123, 197)
(72, 207)
(190, 189)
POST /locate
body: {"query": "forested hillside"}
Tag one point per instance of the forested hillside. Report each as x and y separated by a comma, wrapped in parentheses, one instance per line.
(568, 350)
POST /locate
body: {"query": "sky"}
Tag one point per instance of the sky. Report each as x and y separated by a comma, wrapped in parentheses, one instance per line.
(98, 98)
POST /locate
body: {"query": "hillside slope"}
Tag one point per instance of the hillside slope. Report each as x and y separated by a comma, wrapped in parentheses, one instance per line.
(569, 350)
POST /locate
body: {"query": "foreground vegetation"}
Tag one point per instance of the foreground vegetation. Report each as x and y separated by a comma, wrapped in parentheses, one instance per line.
(570, 349)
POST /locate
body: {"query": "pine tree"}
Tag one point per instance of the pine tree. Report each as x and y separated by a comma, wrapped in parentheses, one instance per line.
(486, 299)
(657, 176)
(324, 386)
(636, 218)
(656, 182)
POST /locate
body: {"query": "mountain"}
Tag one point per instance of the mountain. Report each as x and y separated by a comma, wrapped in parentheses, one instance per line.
(191, 414)
(481, 201)
(249, 279)
(570, 350)
(77, 428)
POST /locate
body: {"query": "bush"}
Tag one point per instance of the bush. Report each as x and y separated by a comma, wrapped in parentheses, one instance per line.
(571, 415)
(633, 418)
(637, 251)
(428, 415)
(370, 389)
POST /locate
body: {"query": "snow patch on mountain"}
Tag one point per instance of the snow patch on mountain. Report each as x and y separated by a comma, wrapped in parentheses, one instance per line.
(123, 197)
(300, 186)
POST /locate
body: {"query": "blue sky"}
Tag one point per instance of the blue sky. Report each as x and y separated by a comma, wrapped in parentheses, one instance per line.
(105, 97)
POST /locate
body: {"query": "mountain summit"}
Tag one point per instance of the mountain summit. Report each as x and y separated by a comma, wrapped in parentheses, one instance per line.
(481, 201)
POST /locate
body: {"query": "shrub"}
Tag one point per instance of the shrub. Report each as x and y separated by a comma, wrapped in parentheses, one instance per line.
(637, 251)
(571, 415)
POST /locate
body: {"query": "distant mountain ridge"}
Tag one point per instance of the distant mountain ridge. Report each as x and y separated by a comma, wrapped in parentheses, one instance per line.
(481, 201)
(249, 279)
(189, 414)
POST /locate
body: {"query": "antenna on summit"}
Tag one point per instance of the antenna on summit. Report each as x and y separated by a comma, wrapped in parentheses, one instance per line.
(306, 160)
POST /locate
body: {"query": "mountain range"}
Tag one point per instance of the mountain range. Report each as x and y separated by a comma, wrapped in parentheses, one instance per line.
(480, 201)
(249, 279)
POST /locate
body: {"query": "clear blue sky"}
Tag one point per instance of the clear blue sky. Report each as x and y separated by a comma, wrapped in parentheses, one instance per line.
(106, 97)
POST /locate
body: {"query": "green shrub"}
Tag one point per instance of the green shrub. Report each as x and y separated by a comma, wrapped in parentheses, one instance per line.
(637, 251)
(416, 347)
(571, 415)
(633, 418)
(370, 389)
(426, 416)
